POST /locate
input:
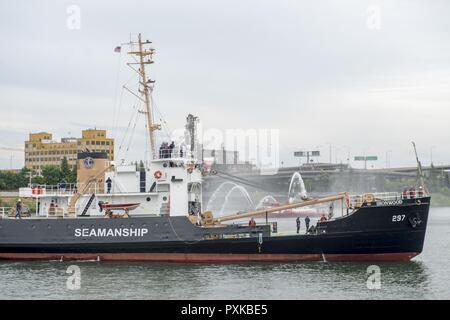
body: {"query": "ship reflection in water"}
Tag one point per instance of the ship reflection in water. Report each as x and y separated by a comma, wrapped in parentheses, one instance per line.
(425, 277)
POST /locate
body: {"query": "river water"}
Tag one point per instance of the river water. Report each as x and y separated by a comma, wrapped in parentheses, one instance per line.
(426, 277)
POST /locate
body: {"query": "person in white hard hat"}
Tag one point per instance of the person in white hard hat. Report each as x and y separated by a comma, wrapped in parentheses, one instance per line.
(18, 209)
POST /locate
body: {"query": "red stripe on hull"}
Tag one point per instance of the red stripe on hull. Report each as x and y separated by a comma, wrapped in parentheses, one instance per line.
(404, 256)
(209, 257)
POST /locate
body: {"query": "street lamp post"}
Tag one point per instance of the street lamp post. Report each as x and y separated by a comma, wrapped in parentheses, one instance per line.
(388, 158)
(431, 154)
(331, 152)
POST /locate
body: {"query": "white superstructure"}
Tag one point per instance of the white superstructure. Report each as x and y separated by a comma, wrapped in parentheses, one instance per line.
(171, 185)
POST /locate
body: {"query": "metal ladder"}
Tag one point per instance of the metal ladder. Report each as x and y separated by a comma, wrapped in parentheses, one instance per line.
(86, 208)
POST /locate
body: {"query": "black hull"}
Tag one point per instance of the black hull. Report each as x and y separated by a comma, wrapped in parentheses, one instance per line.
(368, 234)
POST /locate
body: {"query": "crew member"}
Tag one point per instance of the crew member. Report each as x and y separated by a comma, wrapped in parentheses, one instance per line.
(323, 218)
(307, 220)
(163, 151)
(18, 209)
(51, 209)
(108, 184)
(412, 193)
(252, 223)
(421, 193)
(331, 210)
(405, 194)
(298, 224)
(171, 148)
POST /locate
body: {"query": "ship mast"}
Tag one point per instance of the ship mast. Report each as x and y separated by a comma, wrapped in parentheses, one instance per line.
(144, 56)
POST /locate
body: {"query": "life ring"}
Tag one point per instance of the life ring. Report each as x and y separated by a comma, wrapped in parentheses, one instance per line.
(157, 174)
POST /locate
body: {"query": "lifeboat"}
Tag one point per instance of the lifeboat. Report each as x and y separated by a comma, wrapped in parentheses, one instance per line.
(119, 206)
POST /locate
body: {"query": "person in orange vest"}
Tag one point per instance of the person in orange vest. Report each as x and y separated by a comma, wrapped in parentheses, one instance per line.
(252, 223)
(323, 218)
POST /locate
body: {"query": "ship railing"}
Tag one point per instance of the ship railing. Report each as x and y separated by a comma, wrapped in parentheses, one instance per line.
(357, 200)
(57, 213)
(51, 213)
(164, 153)
(272, 224)
(4, 212)
(57, 189)
(65, 188)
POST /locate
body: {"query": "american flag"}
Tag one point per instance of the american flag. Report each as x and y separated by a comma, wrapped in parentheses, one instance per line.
(117, 49)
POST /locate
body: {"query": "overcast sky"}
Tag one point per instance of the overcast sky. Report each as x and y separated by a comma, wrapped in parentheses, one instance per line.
(364, 76)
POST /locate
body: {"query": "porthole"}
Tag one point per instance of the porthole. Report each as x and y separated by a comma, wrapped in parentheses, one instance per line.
(165, 164)
(149, 199)
(164, 198)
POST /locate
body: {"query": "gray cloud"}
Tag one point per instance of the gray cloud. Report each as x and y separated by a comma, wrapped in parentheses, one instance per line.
(312, 69)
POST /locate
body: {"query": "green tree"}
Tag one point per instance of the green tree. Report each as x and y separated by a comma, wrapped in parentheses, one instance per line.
(10, 180)
(51, 175)
(37, 179)
(65, 172)
(23, 178)
(72, 178)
